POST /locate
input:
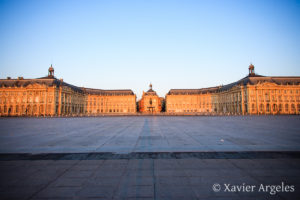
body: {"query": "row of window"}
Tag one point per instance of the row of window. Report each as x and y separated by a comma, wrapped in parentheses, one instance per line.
(188, 111)
(105, 99)
(13, 93)
(22, 109)
(173, 101)
(188, 106)
(112, 111)
(276, 108)
(24, 99)
(229, 98)
(263, 91)
(267, 98)
(109, 104)
(28, 109)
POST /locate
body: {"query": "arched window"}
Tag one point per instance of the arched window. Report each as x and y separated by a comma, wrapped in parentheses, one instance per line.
(261, 108)
(41, 109)
(11, 108)
(34, 109)
(253, 107)
(286, 107)
(298, 107)
(280, 107)
(23, 109)
(267, 97)
(49, 109)
(293, 109)
(274, 108)
(268, 108)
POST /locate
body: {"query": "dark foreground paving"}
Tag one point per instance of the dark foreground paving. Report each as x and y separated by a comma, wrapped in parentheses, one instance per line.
(191, 177)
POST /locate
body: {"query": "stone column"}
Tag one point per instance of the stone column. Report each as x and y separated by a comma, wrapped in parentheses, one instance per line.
(242, 100)
(59, 100)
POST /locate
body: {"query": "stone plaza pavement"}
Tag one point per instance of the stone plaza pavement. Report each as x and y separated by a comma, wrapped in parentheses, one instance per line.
(149, 134)
(150, 157)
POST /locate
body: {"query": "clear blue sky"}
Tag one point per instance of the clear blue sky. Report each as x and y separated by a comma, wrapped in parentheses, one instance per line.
(128, 44)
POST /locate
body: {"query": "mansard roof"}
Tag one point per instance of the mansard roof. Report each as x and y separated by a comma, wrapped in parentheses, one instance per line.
(108, 92)
(52, 81)
(251, 79)
(256, 79)
(150, 92)
(48, 81)
(192, 91)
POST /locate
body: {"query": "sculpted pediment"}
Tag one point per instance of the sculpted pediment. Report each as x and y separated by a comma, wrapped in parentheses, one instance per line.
(266, 84)
(35, 85)
(67, 89)
(236, 87)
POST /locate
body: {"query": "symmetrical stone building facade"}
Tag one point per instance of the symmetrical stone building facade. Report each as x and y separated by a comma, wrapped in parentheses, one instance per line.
(190, 100)
(254, 94)
(150, 102)
(49, 96)
(110, 101)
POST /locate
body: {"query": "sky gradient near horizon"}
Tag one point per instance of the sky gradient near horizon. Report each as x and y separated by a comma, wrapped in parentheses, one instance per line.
(128, 44)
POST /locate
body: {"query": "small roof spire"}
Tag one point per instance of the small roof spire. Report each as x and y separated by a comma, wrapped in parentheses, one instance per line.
(51, 71)
(251, 66)
(251, 69)
(150, 86)
(51, 68)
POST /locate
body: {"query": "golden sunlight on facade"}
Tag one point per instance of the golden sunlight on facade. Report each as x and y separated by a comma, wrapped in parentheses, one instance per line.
(49, 96)
(110, 101)
(254, 94)
(150, 102)
(190, 100)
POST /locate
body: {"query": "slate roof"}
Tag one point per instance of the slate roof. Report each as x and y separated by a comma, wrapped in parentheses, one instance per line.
(150, 92)
(108, 92)
(48, 81)
(192, 91)
(255, 79)
(251, 79)
(51, 81)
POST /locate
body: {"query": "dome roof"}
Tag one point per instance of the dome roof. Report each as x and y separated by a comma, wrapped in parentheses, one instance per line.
(150, 91)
